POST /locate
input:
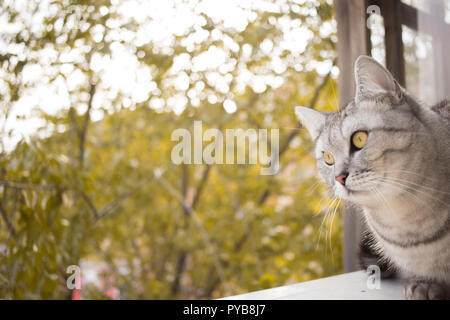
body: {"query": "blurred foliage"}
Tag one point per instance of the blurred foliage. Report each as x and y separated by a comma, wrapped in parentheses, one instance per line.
(83, 190)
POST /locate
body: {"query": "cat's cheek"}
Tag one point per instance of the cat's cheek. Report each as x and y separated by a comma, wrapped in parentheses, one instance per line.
(325, 177)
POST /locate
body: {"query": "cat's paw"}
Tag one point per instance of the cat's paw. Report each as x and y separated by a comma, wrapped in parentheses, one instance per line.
(425, 290)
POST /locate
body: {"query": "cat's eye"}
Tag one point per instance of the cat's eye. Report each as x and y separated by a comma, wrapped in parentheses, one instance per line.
(328, 157)
(359, 139)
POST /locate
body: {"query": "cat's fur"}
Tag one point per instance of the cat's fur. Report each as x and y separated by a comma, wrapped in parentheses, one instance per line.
(400, 178)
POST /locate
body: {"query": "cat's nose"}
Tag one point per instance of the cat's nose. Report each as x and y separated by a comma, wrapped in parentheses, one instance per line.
(341, 178)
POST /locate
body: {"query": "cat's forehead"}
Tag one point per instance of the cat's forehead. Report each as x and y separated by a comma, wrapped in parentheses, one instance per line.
(365, 115)
(333, 125)
(331, 134)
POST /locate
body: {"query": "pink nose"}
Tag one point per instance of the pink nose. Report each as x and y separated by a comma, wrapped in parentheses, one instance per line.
(341, 179)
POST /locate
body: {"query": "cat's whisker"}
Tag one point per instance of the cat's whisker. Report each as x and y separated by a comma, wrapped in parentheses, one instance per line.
(331, 225)
(323, 220)
(327, 223)
(403, 187)
(392, 211)
(417, 175)
(375, 193)
(411, 186)
(410, 172)
(418, 185)
(313, 187)
(408, 193)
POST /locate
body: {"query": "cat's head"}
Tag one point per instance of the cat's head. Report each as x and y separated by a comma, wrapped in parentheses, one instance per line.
(371, 143)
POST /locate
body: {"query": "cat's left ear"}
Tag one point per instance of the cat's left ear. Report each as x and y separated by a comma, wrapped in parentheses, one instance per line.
(312, 119)
(372, 79)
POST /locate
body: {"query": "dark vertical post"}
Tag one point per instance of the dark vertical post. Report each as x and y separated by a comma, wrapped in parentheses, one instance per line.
(395, 62)
(352, 31)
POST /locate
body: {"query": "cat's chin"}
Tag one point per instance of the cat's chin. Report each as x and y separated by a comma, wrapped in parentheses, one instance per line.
(355, 196)
(344, 192)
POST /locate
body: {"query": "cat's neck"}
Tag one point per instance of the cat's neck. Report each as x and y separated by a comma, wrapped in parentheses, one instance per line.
(416, 212)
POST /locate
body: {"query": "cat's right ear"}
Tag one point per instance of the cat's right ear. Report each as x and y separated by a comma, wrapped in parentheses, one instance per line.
(372, 79)
(312, 119)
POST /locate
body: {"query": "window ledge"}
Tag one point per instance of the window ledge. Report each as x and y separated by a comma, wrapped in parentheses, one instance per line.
(342, 287)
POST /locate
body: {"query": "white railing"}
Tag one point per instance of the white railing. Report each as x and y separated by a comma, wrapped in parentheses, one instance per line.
(354, 285)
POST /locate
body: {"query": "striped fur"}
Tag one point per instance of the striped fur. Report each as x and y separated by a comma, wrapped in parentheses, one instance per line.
(400, 178)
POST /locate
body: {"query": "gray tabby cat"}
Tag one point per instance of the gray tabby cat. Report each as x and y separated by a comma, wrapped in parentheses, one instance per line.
(390, 156)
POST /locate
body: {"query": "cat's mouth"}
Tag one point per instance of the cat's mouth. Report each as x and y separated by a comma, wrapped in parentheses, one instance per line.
(357, 185)
(350, 193)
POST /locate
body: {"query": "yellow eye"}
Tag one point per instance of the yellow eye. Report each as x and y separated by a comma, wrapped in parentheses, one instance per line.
(359, 139)
(328, 157)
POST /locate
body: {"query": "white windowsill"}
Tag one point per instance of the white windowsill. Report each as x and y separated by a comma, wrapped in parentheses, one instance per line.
(348, 286)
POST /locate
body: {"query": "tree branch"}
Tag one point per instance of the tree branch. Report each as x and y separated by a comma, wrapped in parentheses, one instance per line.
(90, 204)
(312, 105)
(204, 179)
(83, 131)
(184, 186)
(182, 259)
(266, 193)
(19, 186)
(114, 203)
(108, 207)
(285, 146)
(200, 226)
(12, 230)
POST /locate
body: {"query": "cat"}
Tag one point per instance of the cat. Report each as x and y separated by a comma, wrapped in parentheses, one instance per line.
(389, 155)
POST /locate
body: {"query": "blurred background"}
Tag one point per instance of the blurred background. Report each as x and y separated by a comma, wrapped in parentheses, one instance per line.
(90, 93)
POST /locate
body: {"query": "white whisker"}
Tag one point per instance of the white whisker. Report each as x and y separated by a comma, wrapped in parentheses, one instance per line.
(418, 185)
(403, 187)
(331, 225)
(323, 220)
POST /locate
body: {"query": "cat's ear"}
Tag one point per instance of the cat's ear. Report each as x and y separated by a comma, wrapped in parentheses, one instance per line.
(313, 120)
(372, 79)
(442, 108)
